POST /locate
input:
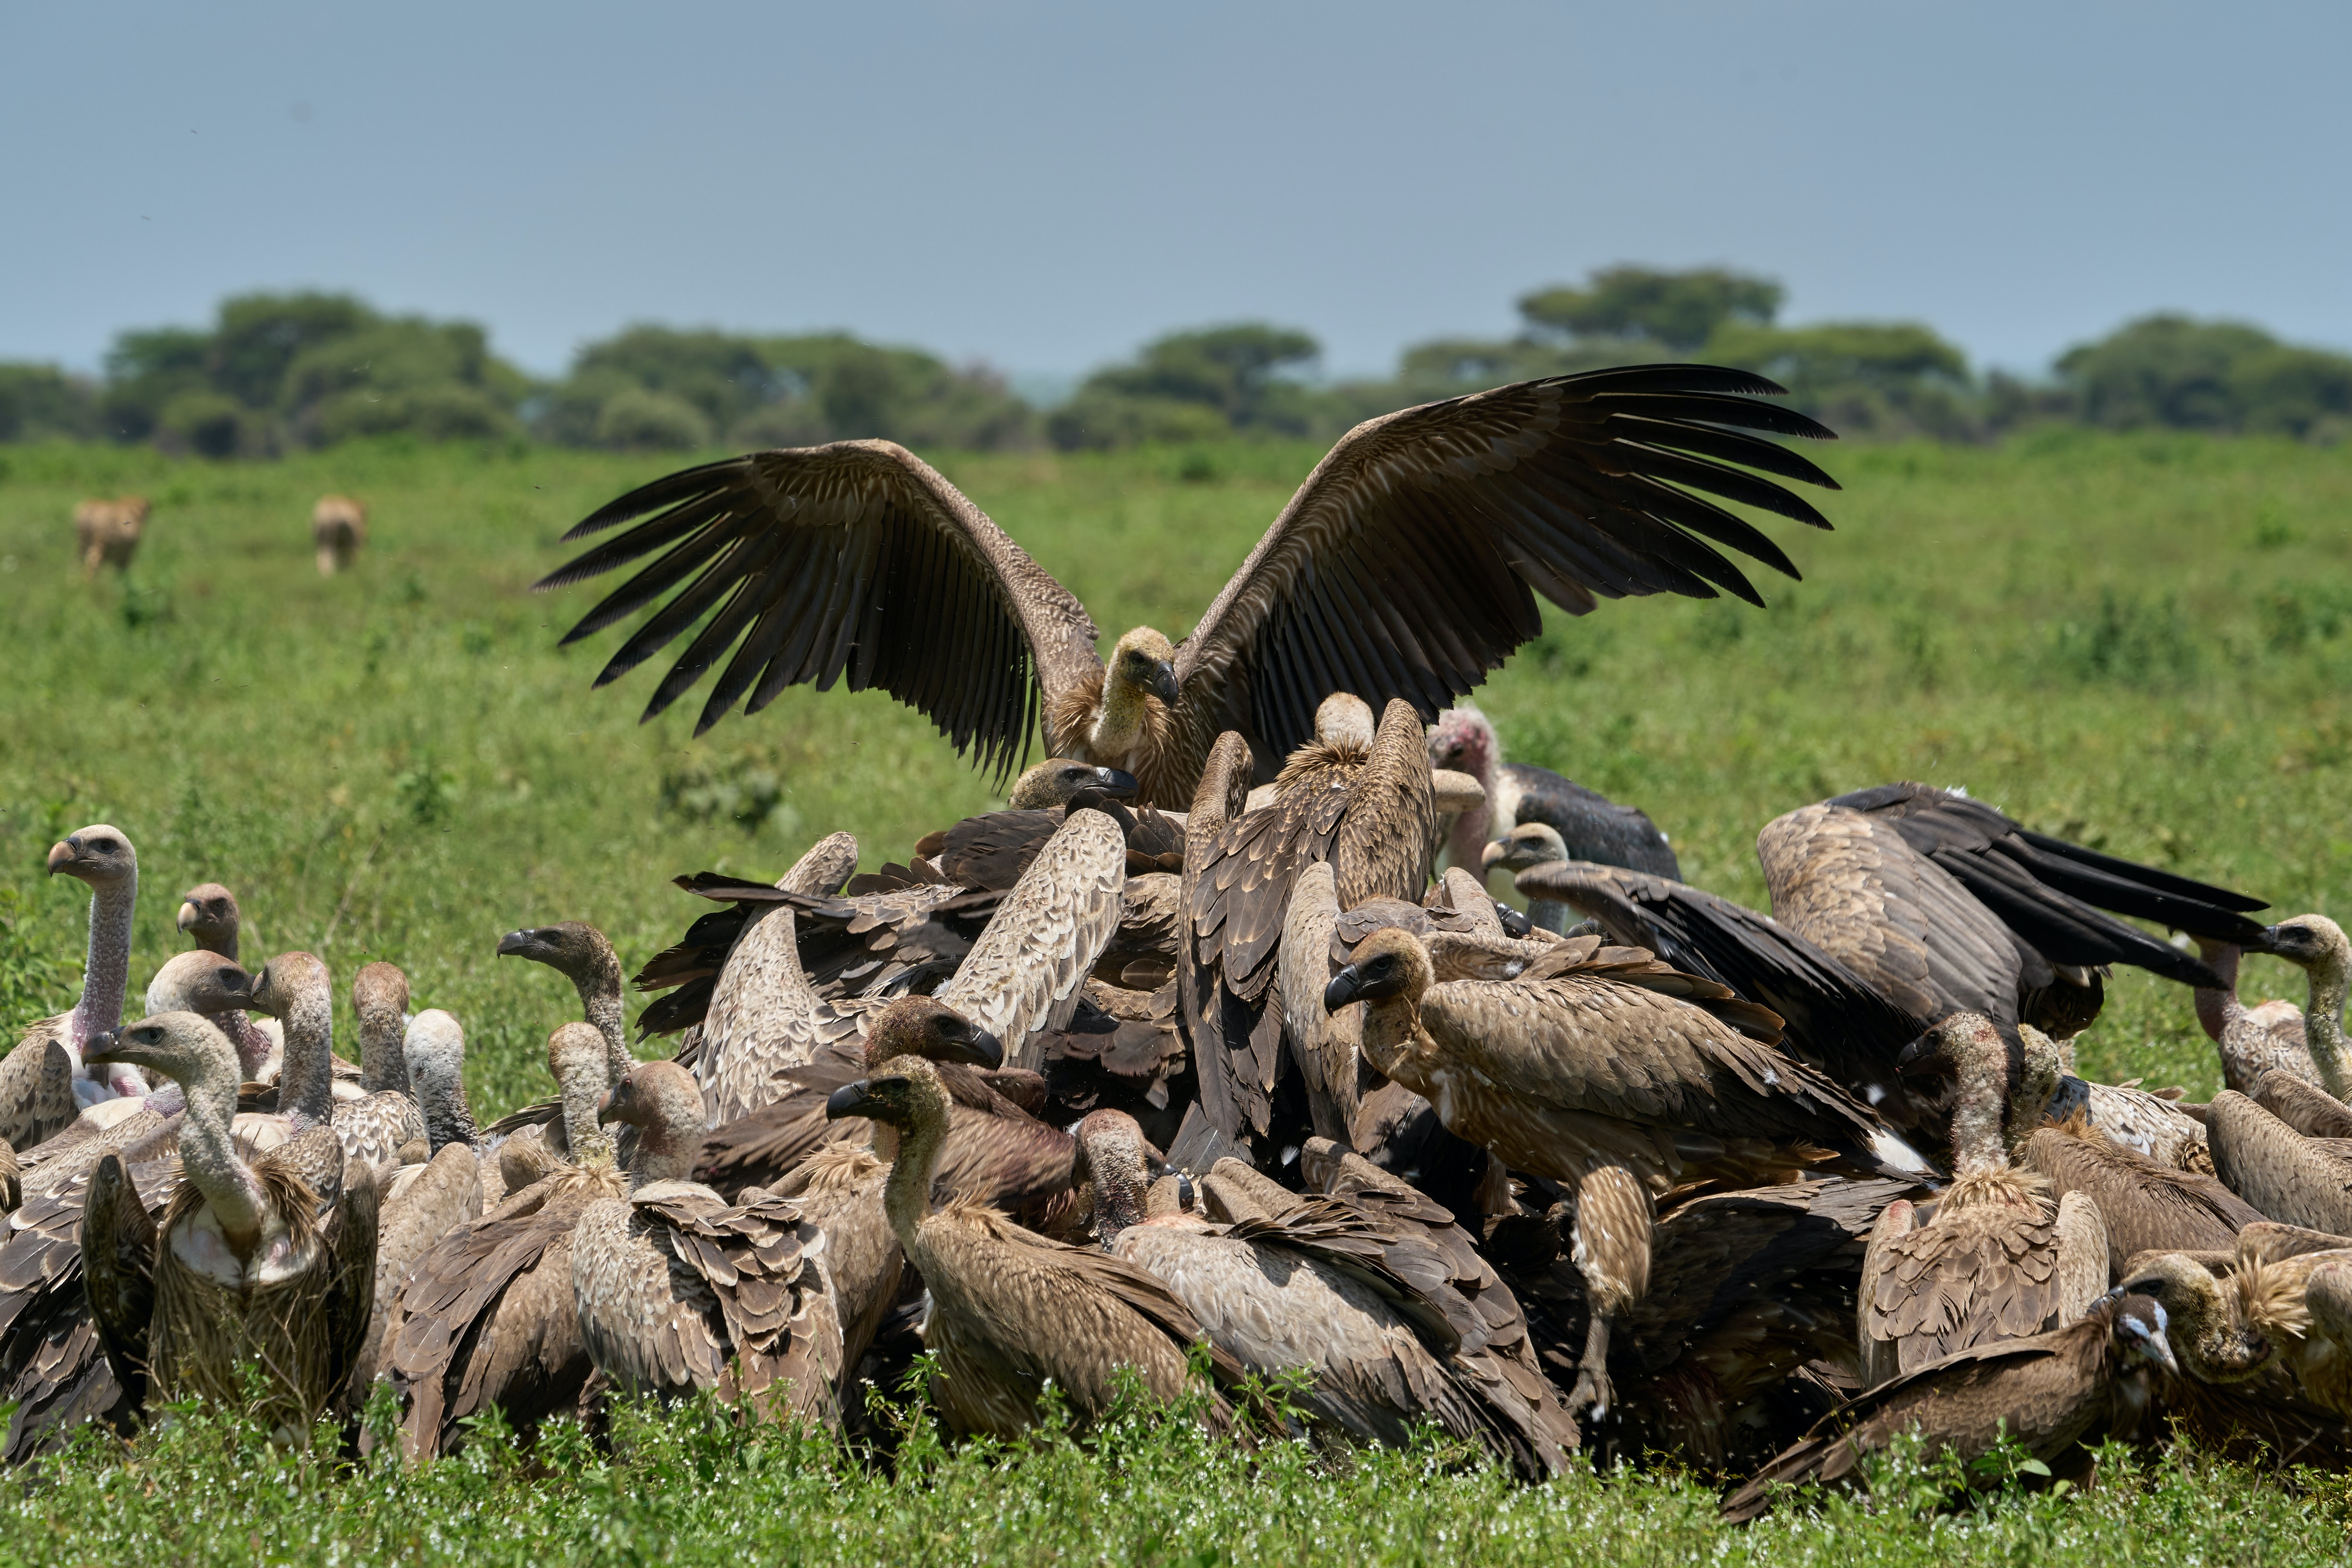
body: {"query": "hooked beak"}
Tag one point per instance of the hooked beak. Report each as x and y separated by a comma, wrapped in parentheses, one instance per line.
(1921, 1057)
(61, 855)
(2158, 1348)
(1345, 988)
(188, 915)
(850, 1100)
(100, 1048)
(513, 942)
(1163, 682)
(983, 1050)
(1498, 850)
(1116, 785)
(606, 1112)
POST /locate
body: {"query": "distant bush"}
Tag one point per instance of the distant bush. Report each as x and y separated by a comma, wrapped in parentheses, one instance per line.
(40, 401)
(2186, 375)
(635, 419)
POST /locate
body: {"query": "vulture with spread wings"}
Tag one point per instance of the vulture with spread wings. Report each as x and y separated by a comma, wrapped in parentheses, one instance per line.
(1406, 566)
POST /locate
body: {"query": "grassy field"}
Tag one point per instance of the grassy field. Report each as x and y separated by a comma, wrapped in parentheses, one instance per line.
(2143, 643)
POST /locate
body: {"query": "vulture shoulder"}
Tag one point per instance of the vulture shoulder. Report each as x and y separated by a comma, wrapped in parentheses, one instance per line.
(1026, 973)
(1407, 565)
(854, 560)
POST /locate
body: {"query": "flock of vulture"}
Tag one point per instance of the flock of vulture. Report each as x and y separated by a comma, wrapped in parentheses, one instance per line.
(1212, 1061)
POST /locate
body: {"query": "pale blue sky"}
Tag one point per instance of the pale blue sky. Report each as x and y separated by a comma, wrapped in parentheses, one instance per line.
(1046, 186)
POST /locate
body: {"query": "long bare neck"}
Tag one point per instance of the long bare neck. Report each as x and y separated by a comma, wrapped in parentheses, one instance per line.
(907, 1196)
(252, 1045)
(2217, 1010)
(208, 1154)
(441, 1096)
(1978, 1144)
(106, 971)
(588, 1141)
(666, 1151)
(1126, 710)
(2323, 1023)
(382, 1063)
(599, 985)
(305, 1083)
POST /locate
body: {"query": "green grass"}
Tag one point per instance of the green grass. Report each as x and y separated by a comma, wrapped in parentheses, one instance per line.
(2141, 643)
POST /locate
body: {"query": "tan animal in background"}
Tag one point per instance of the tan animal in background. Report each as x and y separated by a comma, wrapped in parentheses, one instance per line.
(106, 532)
(338, 527)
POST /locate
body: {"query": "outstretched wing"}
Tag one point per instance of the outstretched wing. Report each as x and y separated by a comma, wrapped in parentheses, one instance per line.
(855, 559)
(1408, 563)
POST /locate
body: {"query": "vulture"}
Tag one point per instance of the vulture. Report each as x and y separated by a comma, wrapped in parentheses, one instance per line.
(1013, 1311)
(376, 1127)
(2052, 1394)
(486, 1316)
(31, 1108)
(2318, 946)
(1944, 905)
(2265, 1376)
(269, 1263)
(2303, 1106)
(1374, 823)
(209, 914)
(2253, 1040)
(1322, 1286)
(1590, 826)
(990, 851)
(1611, 1073)
(1524, 847)
(1995, 1257)
(678, 1290)
(1406, 567)
(582, 954)
(2280, 1171)
(296, 989)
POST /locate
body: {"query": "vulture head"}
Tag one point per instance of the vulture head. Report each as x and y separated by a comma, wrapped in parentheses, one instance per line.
(919, 1027)
(210, 915)
(2138, 1327)
(199, 981)
(1994, 1105)
(288, 980)
(1145, 661)
(1464, 739)
(1053, 783)
(1111, 1148)
(1345, 719)
(656, 1097)
(1389, 964)
(909, 1095)
(2308, 942)
(1529, 844)
(2206, 1324)
(183, 1046)
(98, 855)
(380, 996)
(572, 947)
(433, 1045)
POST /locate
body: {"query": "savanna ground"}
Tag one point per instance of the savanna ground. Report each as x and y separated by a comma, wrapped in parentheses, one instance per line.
(2144, 644)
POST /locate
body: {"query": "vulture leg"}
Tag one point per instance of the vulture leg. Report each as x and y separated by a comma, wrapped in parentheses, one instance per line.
(118, 1246)
(1614, 1221)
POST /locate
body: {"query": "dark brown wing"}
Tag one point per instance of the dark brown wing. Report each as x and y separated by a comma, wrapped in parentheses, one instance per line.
(350, 1303)
(776, 1323)
(117, 1261)
(853, 560)
(1408, 563)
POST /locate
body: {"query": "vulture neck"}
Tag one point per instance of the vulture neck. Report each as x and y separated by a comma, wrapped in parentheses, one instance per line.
(588, 1141)
(2218, 1010)
(2323, 1020)
(252, 1045)
(668, 1147)
(441, 1096)
(1467, 841)
(1394, 1042)
(599, 985)
(106, 969)
(306, 1082)
(1979, 1138)
(906, 1195)
(1126, 714)
(383, 1064)
(208, 1155)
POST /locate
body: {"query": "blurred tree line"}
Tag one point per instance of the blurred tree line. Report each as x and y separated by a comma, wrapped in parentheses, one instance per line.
(278, 371)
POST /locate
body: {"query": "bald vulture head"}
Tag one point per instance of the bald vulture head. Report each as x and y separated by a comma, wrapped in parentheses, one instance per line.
(198, 981)
(1052, 783)
(1464, 739)
(1528, 844)
(2312, 943)
(1344, 719)
(573, 949)
(919, 1027)
(183, 1046)
(1145, 661)
(208, 913)
(99, 855)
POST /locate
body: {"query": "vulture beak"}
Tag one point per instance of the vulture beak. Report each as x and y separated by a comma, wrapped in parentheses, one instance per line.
(513, 942)
(1163, 682)
(851, 1099)
(2151, 1342)
(1922, 1057)
(607, 1111)
(61, 855)
(1345, 988)
(188, 916)
(100, 1047)
(1117, 785)
(1494, 854)
(983, 1050)
(1515, 923)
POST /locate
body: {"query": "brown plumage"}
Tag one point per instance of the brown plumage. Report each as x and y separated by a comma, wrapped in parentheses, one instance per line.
(2144, 1207)
(211, 918)
(1011, 1309)
(2305, 1107)
(486, 1316)
(679, 1289)
(269, 1263)
(338, 528)
(991, 850)
(2048, 1394)
(1374, 827)
(1405, 567)
(107, 532)
(2285, 1175)
(2253, 1041)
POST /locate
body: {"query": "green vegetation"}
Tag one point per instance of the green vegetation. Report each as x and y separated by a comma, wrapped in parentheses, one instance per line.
(2143, 642)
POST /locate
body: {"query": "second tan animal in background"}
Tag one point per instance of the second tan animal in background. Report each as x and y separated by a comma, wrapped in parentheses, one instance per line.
(338, 527)
(106, 532)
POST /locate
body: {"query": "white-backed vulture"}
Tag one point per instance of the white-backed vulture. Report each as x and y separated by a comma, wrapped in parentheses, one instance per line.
(486, 1316)
(1323, 1286)
(338, 529)
(2253, 1040)
(1606, 1070)
(1013, 1311)
(102, 858)
(1590, 826)
(2318, 946)
(679, 1289)
(107, 532)
(2144, 1207)
(1374, 821)
(583, 955)
(268, 1264)
(1995, 1257)
(2051, 1394)
(210, 917)
(296, 989)
(2285, 1175)
(1406, 566)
